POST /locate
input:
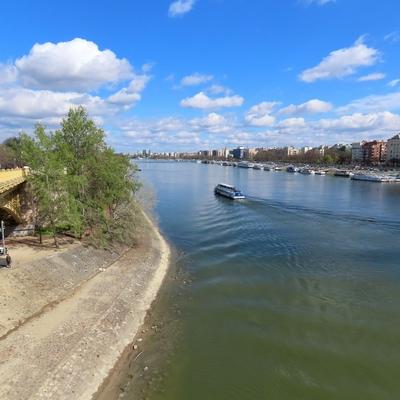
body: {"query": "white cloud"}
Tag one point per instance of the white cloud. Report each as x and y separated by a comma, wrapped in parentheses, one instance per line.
(219, 89)
(372, 77)
(213, 122)
(374, 103)
(43, 85)
(180, 7)
(171, 132)
(384, 121)
(131, 94)
(291, 123)
(202, 101)
(342, 62)
(318, 2)
(36, 105)
(260, 114)
(309, 107)
(199, 133)
(195, 79)
(393, 37)
(394, 82)
(76, 65)
(8, 74)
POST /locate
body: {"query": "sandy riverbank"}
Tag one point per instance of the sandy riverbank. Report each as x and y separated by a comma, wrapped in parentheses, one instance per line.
(66, 350)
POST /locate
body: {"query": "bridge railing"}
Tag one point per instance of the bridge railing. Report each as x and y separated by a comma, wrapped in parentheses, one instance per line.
(9, 174)
(10, 178)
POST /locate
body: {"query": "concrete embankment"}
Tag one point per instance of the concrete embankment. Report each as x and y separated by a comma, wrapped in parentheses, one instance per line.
(67, 318)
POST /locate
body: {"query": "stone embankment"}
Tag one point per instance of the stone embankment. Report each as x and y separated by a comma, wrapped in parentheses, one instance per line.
(66, 318)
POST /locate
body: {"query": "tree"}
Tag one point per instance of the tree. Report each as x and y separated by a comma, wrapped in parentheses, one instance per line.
(328, 159)
(93, 183)
(48, 180)
(9, 153)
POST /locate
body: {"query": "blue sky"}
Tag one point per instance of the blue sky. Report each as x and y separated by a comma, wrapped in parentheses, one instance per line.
(198, 74)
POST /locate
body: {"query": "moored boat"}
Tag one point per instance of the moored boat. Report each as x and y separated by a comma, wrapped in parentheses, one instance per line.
(244, 164)
(258, 166)
(307, 171)
(291, 168)
(228, 191)
(343, 173)
(371, 177)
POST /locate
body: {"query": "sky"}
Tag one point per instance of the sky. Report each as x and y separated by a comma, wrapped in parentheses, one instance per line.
(188, 75)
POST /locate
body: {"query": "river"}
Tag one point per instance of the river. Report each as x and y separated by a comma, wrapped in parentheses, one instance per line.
(293, 293)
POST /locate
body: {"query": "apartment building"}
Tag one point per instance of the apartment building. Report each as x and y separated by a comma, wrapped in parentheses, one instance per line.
(393, 148)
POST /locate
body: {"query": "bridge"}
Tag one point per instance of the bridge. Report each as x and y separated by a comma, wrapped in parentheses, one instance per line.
(11, 196)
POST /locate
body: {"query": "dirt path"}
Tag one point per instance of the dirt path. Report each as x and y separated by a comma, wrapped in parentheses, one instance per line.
(68, 351)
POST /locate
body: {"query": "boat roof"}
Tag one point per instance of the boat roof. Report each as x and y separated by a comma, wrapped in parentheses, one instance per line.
(226, 185)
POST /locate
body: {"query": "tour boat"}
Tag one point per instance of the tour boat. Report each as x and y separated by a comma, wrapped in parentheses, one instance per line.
(228, 191)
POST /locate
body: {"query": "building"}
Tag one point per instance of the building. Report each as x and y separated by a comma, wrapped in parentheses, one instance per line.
(393, 148)
(357, 153)
(250, 153)
(374, 152)
(305, 149)
(205, 153)
(321, 150)
(291, 151)
(225, 153)
(146, 153)
(239, 153)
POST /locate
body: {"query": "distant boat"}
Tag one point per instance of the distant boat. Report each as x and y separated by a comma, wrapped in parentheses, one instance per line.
(362, 176)
(267, 168)
(320, 172)
(244, 164)
(257, 166)
(228, 191)
(291, 168)
(307, 171)
(343, 173)
(366, 177)
(277, 168)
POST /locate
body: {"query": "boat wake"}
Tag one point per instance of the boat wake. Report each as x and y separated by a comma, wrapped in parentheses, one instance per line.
(254, 202)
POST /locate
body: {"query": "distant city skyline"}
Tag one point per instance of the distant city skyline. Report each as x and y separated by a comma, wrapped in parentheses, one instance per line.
(188, 75)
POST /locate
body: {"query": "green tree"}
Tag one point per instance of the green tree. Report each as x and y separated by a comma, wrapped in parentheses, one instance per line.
(328, 159)
(48, 180)
(95, 184)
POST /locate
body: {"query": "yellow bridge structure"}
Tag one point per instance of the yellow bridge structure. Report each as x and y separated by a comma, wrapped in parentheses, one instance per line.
(11, 183)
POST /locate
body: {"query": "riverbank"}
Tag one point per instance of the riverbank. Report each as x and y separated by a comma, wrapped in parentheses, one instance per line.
(68, 317)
